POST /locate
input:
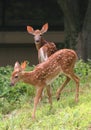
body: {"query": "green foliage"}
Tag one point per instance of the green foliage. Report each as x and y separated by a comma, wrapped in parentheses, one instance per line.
(11, 96)
(82, 68)
(4, 78)
(16, 103)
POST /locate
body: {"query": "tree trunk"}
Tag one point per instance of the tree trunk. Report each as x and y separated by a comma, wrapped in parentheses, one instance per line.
(86, 34)
(71, 22)
(77, 26)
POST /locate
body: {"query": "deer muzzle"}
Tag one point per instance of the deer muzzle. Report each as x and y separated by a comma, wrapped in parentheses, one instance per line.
(11, 84)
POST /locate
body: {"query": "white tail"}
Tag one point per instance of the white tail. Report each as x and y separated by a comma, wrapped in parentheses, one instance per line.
(62, 61)
(45, 48)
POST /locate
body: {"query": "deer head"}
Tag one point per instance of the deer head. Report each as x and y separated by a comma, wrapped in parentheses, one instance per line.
(37, 33)
(16, 75)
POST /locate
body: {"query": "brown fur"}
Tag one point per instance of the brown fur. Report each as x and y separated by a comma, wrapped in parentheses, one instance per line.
(48, 48)
(43, 75)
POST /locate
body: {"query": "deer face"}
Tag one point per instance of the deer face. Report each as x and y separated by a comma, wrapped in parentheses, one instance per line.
(37, 36)
(37, 33)
(16, 75)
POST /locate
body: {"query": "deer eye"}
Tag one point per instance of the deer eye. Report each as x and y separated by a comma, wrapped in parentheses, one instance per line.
(16, 76)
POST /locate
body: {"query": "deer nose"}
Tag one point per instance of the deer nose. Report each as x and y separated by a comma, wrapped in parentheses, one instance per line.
(37, 40)
(11, 84)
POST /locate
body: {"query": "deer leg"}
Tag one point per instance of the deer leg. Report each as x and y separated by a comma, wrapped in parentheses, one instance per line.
(76, 79)
(49, 94)
(42, 95)
(36, 100)
(60, 89)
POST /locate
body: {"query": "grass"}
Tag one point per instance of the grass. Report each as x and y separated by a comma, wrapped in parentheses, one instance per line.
(16, 106)
(64, 115)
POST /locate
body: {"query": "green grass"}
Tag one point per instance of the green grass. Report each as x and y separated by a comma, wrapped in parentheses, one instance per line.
(16, 104)
(64, 115)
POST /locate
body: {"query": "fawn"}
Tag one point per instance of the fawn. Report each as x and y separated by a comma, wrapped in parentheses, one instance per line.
(44, 48)
(43, 75)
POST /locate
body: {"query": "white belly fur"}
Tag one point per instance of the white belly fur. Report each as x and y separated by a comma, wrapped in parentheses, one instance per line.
(43, 56)
(49, 81)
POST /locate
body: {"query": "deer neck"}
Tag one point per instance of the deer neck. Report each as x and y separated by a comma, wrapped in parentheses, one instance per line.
(26, 77)
(41, 43)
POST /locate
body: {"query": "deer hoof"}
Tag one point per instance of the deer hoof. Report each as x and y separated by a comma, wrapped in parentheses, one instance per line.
(58, 98)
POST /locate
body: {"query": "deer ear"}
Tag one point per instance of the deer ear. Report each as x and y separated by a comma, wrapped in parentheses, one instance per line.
(23, 65)
(17, 66)
(30, 30)
(44, 28)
